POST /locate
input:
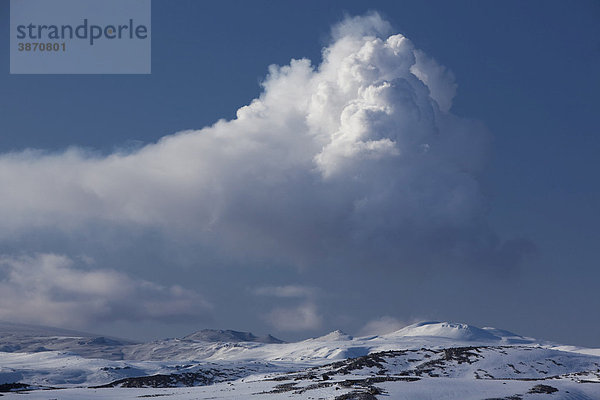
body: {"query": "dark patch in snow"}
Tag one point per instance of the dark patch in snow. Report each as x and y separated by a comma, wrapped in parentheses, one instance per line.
(544, 389)
(12, 387)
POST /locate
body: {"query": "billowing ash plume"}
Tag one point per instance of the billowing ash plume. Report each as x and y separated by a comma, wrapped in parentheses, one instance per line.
(358, 160)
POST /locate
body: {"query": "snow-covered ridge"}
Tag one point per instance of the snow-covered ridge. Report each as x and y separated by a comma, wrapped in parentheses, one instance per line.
(218, 335)
(449, 331)
(334, 364)
(21, 338)
(228, 345)
(336, 345)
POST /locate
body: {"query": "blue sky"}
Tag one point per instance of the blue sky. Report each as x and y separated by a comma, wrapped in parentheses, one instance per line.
(525, 70)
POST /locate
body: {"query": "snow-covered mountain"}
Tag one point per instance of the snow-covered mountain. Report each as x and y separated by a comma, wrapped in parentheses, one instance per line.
(335, 345)
(426, 360)
(33, 339)
(214, 335)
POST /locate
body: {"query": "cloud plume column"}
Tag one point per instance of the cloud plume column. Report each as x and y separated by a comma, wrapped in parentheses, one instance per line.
(358, 158)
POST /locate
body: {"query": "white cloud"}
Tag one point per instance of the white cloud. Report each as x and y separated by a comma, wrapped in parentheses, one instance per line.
(354, 161)
(370, 24)
(382, 325)
(438, 79)
(287, 291)
(50, 289)
(299, 318)
(302, 316)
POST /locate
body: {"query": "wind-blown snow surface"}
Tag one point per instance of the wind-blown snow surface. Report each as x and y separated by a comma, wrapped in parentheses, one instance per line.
(429, 360)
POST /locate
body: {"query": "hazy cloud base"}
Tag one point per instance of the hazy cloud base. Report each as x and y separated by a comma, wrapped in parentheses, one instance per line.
(357, 161)
(52, 290)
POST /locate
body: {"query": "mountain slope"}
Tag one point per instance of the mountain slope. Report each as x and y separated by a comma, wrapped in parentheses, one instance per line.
(426, 360)
(32, 339)
(214, 335)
